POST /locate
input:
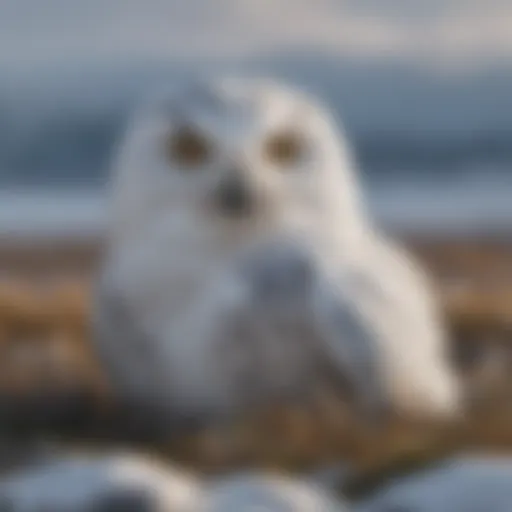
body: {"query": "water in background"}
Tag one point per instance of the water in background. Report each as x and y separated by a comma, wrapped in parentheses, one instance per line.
(435, 150)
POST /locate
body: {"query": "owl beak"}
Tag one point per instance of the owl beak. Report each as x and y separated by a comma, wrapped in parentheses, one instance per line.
(233, 197)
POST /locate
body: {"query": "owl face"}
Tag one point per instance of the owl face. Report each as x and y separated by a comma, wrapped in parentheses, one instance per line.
(233, 151)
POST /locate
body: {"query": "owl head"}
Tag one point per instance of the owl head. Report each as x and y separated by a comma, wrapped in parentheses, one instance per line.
(233, 153)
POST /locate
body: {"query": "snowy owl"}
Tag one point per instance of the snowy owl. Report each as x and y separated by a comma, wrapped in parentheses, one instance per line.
(241, 267)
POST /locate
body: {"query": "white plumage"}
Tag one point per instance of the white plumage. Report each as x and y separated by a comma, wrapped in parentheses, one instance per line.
(241, 266)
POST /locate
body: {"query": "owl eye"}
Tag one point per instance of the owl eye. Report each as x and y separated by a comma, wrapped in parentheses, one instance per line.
(188, 148)
(284, 149)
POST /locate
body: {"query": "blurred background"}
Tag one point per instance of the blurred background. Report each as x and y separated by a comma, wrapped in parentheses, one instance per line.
(423, 88)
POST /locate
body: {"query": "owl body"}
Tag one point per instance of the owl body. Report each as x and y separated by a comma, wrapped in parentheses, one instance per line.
(240, 262)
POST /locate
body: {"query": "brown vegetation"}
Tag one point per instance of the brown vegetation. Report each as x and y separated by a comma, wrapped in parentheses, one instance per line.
(45, 351)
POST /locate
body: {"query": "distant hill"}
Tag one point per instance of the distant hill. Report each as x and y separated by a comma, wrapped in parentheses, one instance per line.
(57, 126)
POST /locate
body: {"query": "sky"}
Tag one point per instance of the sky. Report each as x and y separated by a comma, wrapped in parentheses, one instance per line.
(453, 34)
(363, 55)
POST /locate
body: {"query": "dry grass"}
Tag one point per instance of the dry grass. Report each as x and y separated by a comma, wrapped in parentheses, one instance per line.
(45, 357)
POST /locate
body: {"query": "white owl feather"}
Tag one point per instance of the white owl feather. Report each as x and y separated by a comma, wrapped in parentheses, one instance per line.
(240, 263)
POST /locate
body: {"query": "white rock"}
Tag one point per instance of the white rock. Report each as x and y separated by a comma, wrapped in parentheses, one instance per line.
(100, 484)
(465, 484)
(269, 493)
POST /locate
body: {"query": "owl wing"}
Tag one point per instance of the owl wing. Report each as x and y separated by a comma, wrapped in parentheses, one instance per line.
(119, 344)
(396, 296)
(350, 347)
(319, 324)
(126, 353)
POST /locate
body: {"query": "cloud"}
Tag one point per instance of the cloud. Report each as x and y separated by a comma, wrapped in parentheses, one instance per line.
(435, 32)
